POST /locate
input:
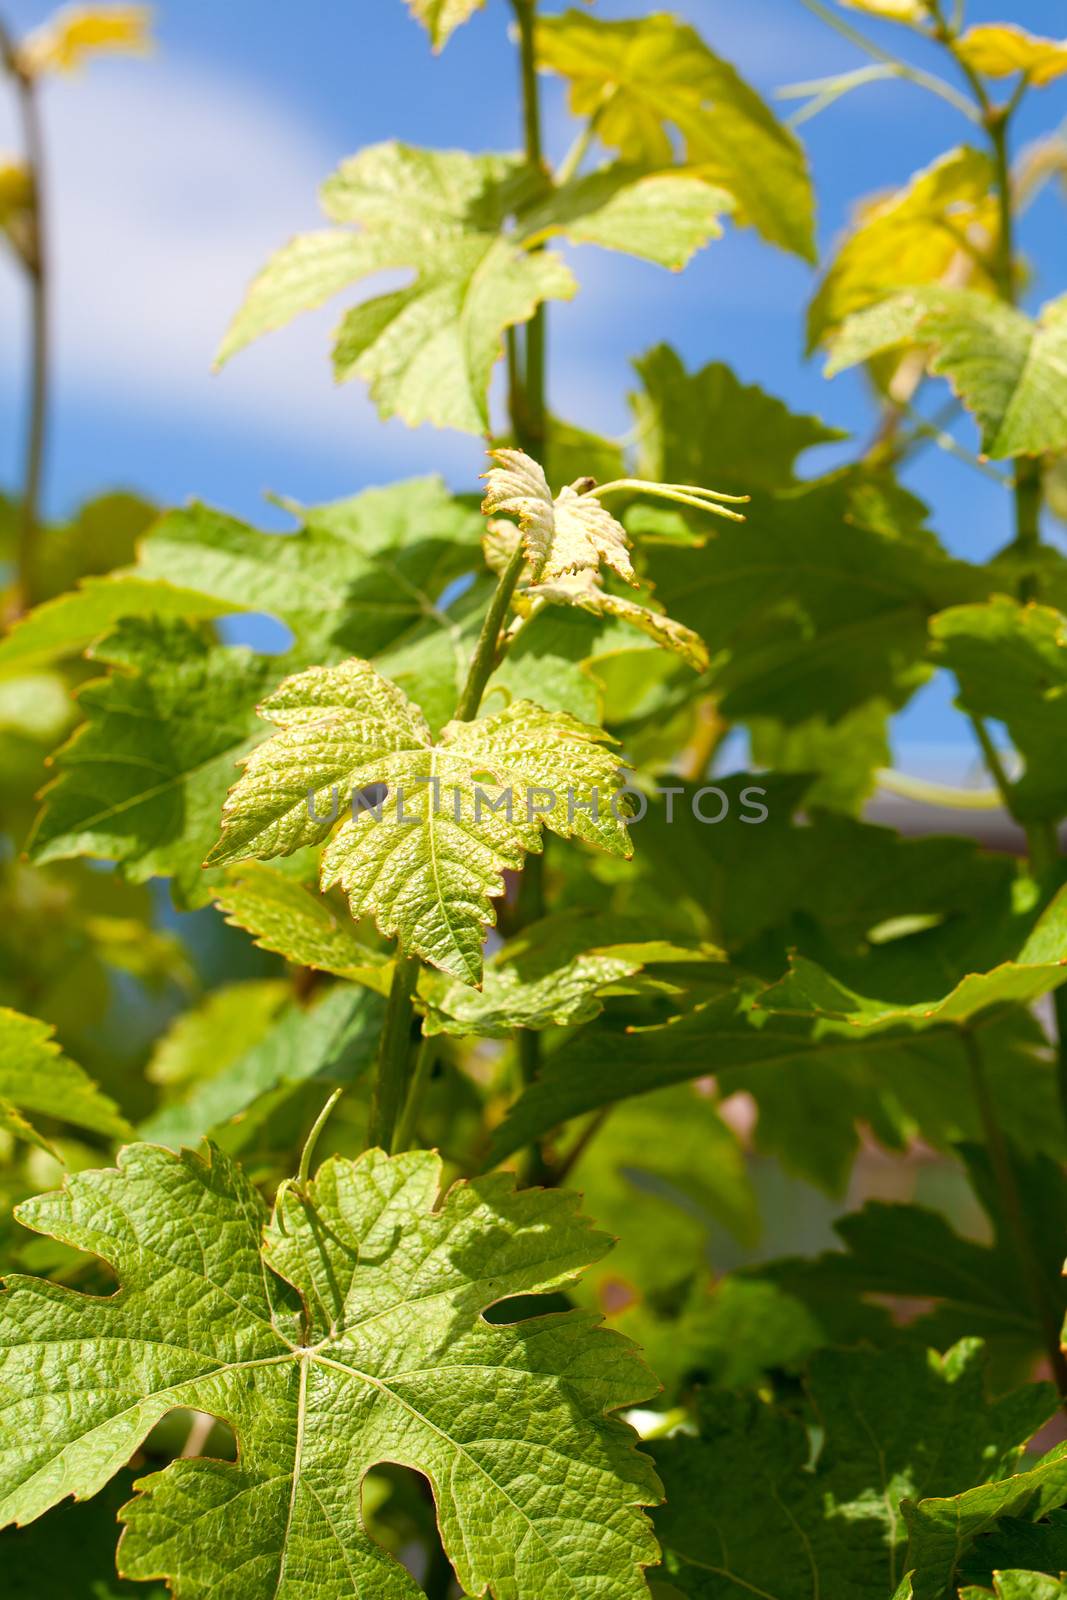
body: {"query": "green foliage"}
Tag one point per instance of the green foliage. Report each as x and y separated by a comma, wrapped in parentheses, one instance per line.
(314, 1357)
(911, 1254)
(139, 781)
(818, 602)
(914, 237)
(457, 813)
(37, 1079)
(640, 80)
(442, 17)
(351, 1335)
(1009, 662)
(844, 1515)
(1007, 368)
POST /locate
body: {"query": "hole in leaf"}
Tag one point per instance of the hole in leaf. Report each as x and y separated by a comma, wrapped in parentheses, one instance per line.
(399, 1514)
(524, 1307)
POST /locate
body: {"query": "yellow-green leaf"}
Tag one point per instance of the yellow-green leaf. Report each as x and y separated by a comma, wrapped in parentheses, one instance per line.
(1007, 368)
(74, 33)
(570, 533)
(910, 11)
(441, 18)
(999, 49)
(646, 81)
(426, 858)
(908, 238)
(584, 590)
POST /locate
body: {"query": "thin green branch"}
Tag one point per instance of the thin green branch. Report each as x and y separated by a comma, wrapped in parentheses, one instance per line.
(407, 1124)
(34, 258)
(901, 68)
(529, 421)
(938, 794)
(1015, 1212)
(394, 1055)
(312, 1139)
(683, 494)
(487, 649)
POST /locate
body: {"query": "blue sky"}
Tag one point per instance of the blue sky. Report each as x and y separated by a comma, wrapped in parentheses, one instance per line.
(172, 179)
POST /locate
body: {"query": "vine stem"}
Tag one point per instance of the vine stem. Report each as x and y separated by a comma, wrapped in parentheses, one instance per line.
(420, 1078)
(1042, 840)
(34, 259)
(398, 1093)
(1015, 1212)
(394, 1055)
(901, 68)
(529, 420)
(1042, 837)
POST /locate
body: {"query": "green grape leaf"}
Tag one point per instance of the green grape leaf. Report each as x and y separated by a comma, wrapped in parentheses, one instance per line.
(351, 1336)
(644, 81)
(139, 782)
(942, 1528)
(663, 217)
(1000, 49)
(1039, 967)
(750, 1511)
(552, 974)
(1006, 368)
(36, 1078)
(441, 18)
(844, 756)
(427, 351)
(796, 877)
(1011, 665)
(430, 864)
(334, 1039)
(292, 921)
(209, 1036)
(814, 1081)
(67, 625)
(908, 1253)
(583, 589)
(912, 237)
(358, 575)
(1014, 1544)
(1017, 1585)
(708, 427)
(816, 604)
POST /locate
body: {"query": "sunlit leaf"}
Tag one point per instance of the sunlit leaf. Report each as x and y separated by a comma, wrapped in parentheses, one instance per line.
(1007, 368)
(1010, 662)
(285, 917)
(457, 813)
(351, 1335)
(946, 211)
(551, 974)
(649, 81)
(75, 33)
(440, 18)
(139, 782)
(426, 350)
(38, 1080)
(999, 49)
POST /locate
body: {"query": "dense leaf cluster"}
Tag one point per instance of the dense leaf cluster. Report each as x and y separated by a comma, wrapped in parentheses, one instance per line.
(572, 998)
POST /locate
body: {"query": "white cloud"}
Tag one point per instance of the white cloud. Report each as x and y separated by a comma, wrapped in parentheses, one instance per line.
(169, 185)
